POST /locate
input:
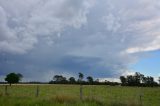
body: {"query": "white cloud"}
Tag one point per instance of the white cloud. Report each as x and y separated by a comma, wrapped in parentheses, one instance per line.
(112, 23)
(22, 22)
(2, 78)
(109, 79)
(150, 46)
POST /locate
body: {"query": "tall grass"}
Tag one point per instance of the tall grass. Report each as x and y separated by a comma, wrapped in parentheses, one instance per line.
(68, 95)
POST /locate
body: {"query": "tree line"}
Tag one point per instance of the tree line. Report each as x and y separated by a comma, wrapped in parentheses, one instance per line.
(12, 78)
(59, 79)
(137, 79)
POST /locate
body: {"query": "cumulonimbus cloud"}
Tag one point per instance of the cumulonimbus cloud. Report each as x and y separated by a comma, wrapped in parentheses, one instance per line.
(103, 36)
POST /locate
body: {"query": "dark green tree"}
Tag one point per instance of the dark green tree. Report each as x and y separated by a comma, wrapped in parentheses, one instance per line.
(123, 80)
(130, 80)
(90, 79)
(72, 80)
(13, 78)
(81, 76)
(59, 79)
(144, 81)
(149, 81)
(138, 78)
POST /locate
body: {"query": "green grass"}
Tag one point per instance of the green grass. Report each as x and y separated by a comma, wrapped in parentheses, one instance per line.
(68, 95)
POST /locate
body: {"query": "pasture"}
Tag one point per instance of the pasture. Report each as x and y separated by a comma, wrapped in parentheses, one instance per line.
(68, 95)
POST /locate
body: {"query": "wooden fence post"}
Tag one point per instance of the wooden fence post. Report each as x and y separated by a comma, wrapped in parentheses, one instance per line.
(37, 91)
(81, 92)
(140, 98)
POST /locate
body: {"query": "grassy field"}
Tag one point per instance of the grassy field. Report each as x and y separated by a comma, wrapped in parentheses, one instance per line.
(68, 95)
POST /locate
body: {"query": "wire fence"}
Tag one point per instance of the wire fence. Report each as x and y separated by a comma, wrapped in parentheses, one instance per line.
(116, 94)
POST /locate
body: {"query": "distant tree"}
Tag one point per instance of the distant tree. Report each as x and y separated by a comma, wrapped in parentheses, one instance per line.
(149, 81)
(159, 80)
(141, 78)
(13, 78)
(90, 80)
(130, 80)
(72, 80)
(138, 79)
(106, 81)
(80, 77)
(134, 80)
(123, 80)
(97, 80)
(144, 80)
(59, 79)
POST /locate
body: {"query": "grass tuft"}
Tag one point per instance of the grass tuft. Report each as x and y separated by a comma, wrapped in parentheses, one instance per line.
(1, 94)
(65, 99)
(131, 103)
(96, 100)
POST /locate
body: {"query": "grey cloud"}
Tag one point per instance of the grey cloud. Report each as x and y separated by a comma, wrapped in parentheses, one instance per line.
(22, 22)
(101, 38)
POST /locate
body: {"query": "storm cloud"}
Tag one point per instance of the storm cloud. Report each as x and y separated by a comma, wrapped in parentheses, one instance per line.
(40, 38)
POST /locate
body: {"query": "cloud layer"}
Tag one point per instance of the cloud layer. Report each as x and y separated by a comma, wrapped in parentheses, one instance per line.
(101, 38)
(22, 22)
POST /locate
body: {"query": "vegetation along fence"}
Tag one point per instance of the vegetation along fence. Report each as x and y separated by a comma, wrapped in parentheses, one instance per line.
(147, 96)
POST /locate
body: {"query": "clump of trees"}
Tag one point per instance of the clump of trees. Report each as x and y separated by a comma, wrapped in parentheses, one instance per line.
(59, 79)
(138, 79)
(90, 80)
(13, 78)
(72, 80)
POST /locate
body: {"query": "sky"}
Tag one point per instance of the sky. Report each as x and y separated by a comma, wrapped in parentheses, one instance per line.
(149, 65)
(100, 38)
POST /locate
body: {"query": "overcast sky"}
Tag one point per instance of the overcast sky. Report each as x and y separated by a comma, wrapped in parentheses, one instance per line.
(101, 38)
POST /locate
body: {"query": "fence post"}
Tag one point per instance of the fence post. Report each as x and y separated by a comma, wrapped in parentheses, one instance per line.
(93, 91)
(81, 93)
(140, 98)
(6, 90)
(37, 91)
